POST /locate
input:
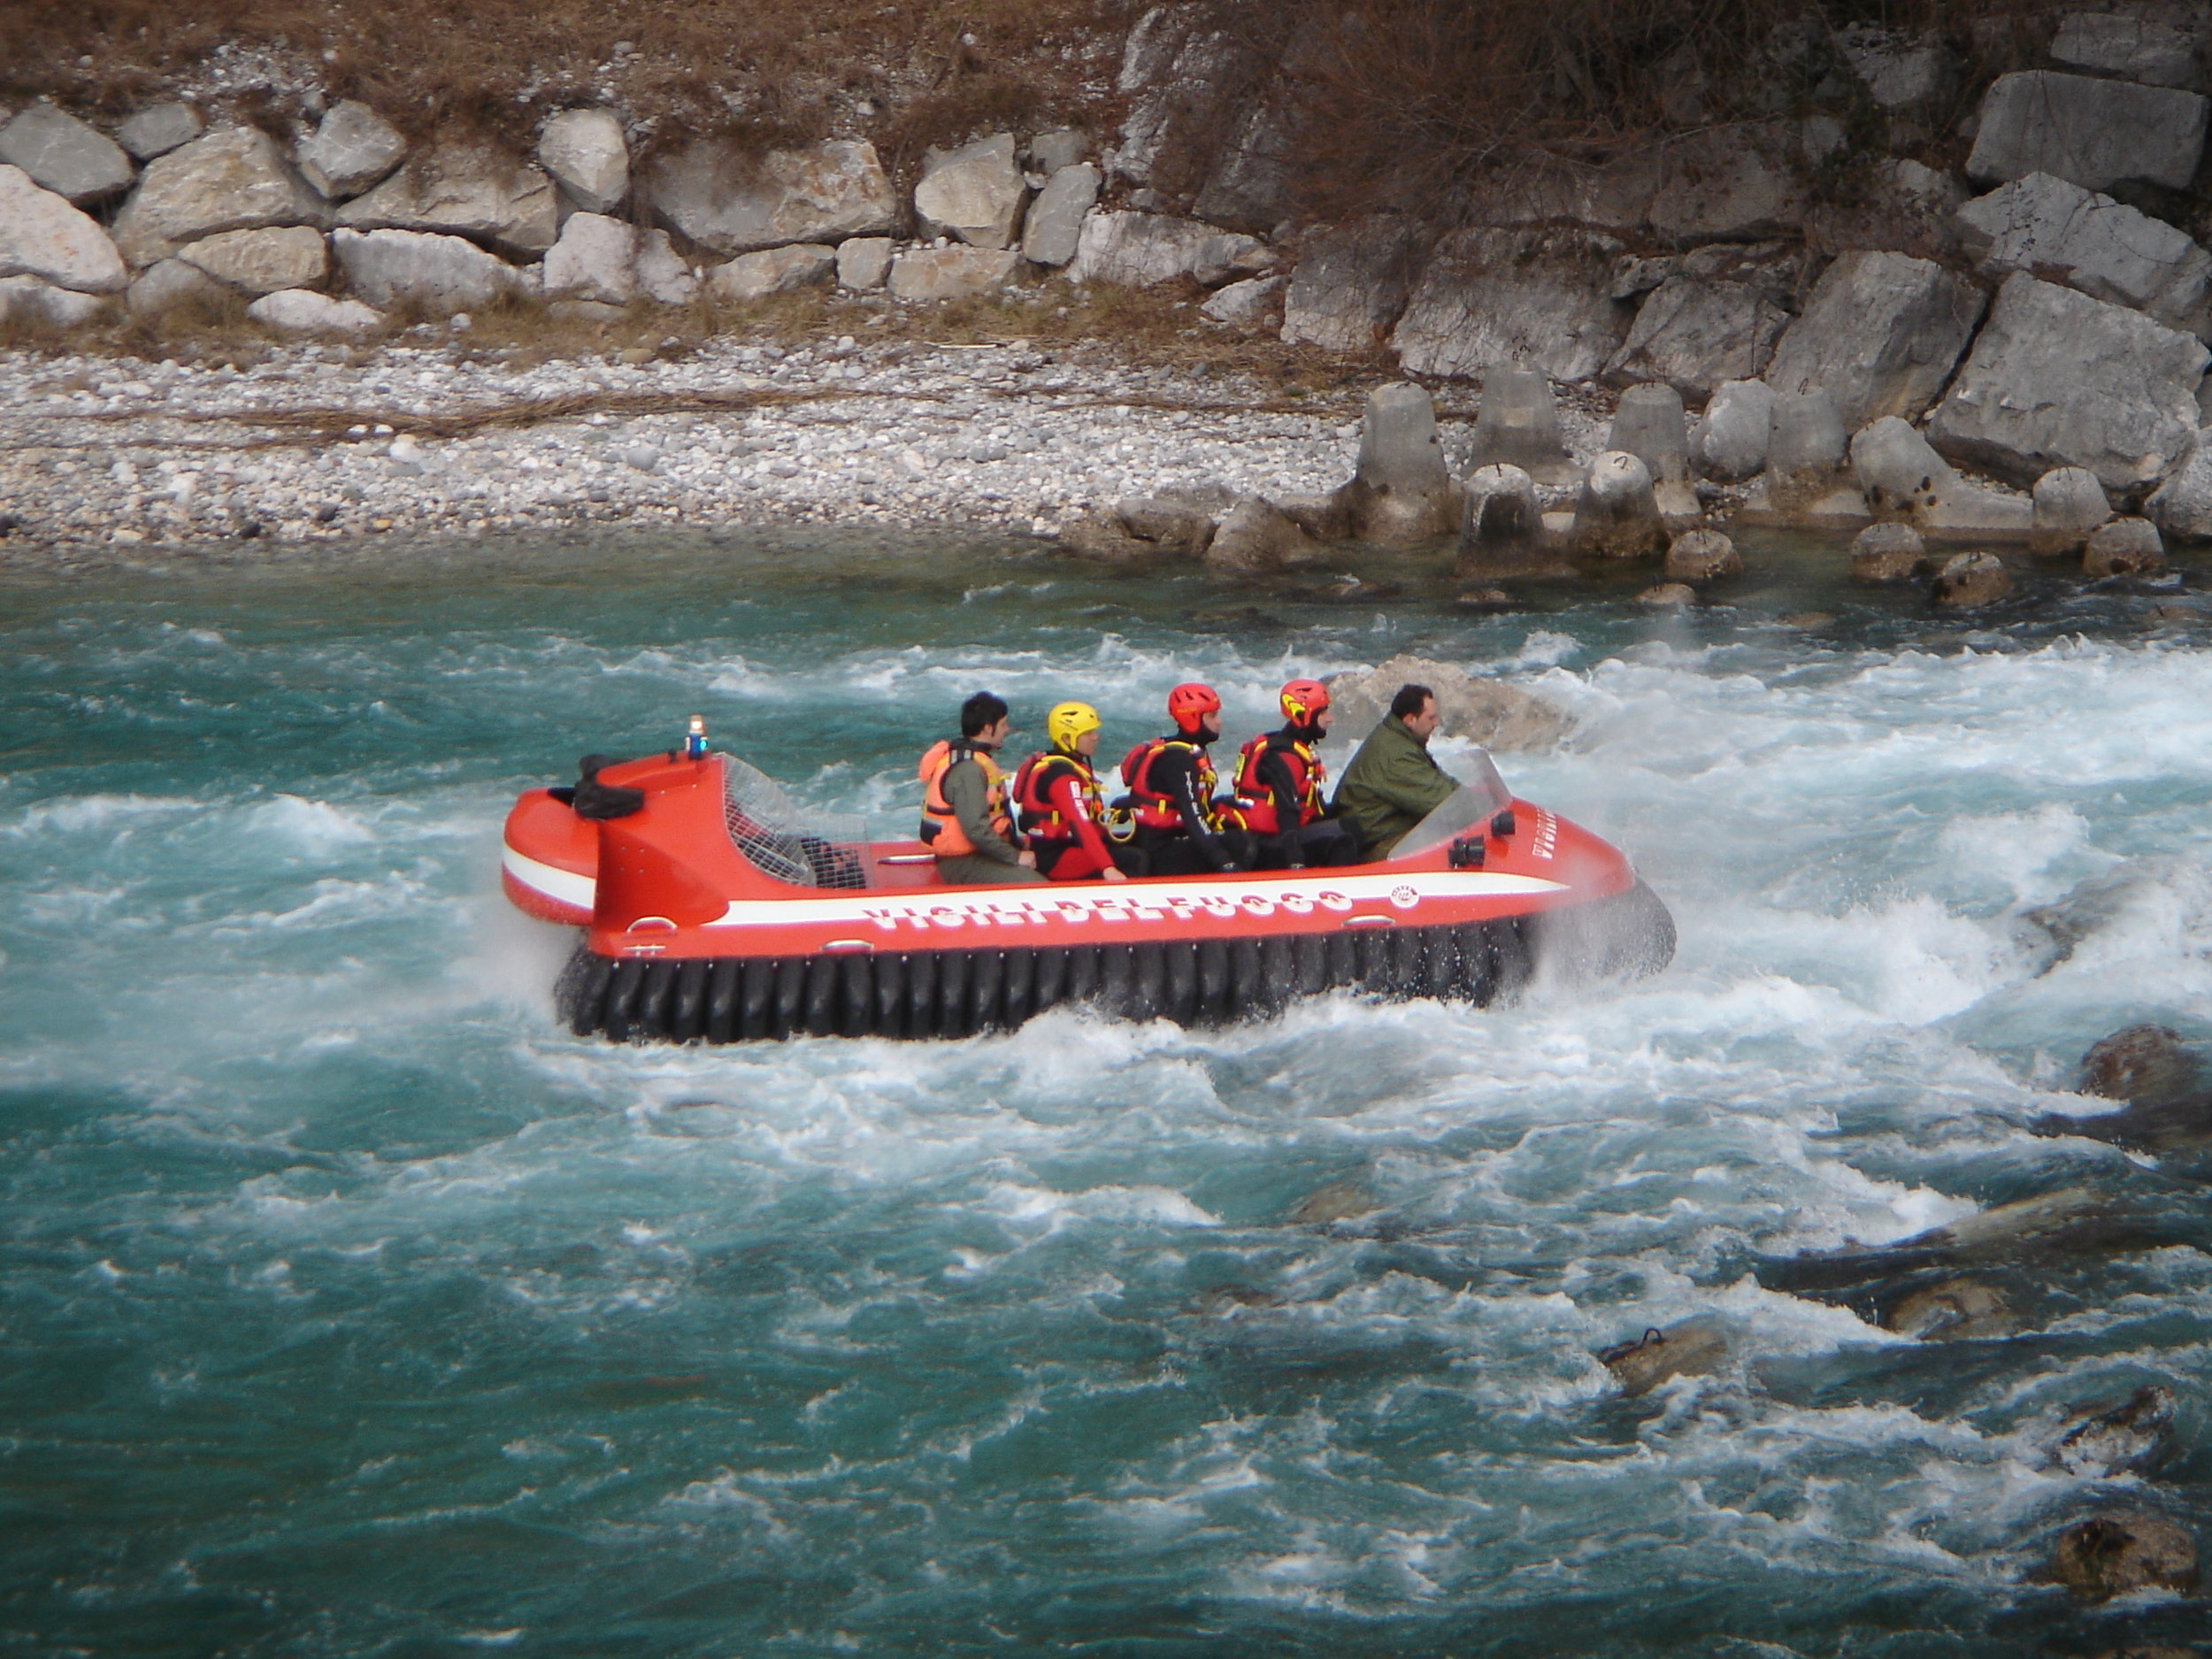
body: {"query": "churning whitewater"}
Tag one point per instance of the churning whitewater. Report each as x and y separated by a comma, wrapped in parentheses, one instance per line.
(352, 1306)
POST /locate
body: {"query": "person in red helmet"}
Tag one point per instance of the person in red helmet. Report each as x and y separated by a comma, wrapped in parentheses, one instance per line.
(1178, 826)
(1281, 786)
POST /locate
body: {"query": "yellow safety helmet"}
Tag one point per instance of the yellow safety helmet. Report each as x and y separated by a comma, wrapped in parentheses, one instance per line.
(1069, 721)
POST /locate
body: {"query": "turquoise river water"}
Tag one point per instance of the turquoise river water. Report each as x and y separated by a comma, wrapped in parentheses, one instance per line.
(348, 1306)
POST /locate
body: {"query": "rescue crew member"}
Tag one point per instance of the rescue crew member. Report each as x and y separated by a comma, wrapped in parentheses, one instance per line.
(1281, 786)
(1062, 807)
(964, 819)
(1393, 783)
(1178, 826)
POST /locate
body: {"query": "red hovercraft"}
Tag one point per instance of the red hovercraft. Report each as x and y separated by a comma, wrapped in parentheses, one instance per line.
(716, 908)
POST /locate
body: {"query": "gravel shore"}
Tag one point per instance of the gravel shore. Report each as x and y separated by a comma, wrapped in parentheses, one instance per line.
(437, 439)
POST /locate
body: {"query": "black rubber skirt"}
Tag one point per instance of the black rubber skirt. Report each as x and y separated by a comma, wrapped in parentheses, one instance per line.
(957, 993)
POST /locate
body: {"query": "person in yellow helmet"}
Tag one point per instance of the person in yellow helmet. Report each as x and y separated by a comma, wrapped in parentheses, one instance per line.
(1061, 806)
(964, 819)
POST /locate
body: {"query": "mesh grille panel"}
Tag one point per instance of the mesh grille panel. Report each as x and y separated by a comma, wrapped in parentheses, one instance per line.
(789, 841)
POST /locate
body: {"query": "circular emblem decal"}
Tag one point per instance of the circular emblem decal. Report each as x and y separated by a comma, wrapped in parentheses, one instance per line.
(1404, 897)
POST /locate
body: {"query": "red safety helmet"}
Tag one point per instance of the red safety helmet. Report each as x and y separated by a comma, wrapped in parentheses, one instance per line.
(1188, 705)
(1302, 699)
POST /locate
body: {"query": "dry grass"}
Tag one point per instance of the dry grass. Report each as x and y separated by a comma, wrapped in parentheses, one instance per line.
(903, 71)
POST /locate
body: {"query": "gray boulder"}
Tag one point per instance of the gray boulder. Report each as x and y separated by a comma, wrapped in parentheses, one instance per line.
(172, 285)
(2065, 233)
(1054, 226)
(1730, 440)
(1502, 520)
(1485, 711)
(595, 259)
(1702, 555)
(1953, 1310)
(261, 261)
(952, 273)
(422, 270)
(1249, 185)
(1176, 527)
(973, 194)
(1063, 147)
(351, 150)
(586, 154)
(2133, 1436)
(2069, 503)
(1648, 423)
(25, 299)
(2182, 506)
(1402, 493)
(731, 201)
(755, 276)
(2097, 133)
(1697, 330)
(1695, 1347)
(1256, 535)
(2155, 46)
(1888, 553)
(62, 154)
(2058, 379)
(301, 312)
(1142, 250)
(862, 262)
(662, 275)
(159, 128)
(1615, 515)
(1518, 425)
(2123, 547)
(469, 190)
(1176, 79)
(1350, 284)
(1968, 581)
(1491, 297)
(1727, 184)
(233, 179)
(41, 235)
(1901, 71)
(1246, 301)
(1881, 333)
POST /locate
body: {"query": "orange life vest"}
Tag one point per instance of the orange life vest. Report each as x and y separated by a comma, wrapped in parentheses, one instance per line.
(1308, 776)
(1041, 819)
(941, 826)
(1151, 808)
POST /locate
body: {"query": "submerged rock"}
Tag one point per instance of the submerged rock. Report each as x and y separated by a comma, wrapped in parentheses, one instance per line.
(1667, 596)
(2134, 1437)
(1695, 1347)
(2115, 1553)
(1339, 1201)
(1956, 1310)
(2123, 547)
(1888, 553)
(1702, 555)
(1486, 712)
(2069, 503)
(2139, 1063)
(1257, 536)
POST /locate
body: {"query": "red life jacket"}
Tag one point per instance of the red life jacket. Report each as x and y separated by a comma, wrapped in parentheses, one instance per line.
(1308, 776)
(941, 826)
(1151, 808)
(1041, 819)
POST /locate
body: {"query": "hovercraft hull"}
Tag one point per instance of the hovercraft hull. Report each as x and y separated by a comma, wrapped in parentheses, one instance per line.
(705, 920)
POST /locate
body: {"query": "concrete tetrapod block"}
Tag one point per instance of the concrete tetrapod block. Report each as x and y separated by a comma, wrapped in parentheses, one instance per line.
(1730, 443)
(1616, 515)
(2123, 547)
(1402, 493)
(1650, 425)
(1806, 444)
(1501, 521)
(2068, 504)
(1518, 425)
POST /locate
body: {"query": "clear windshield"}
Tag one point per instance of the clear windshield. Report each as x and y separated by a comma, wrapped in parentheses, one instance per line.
(1481, 794)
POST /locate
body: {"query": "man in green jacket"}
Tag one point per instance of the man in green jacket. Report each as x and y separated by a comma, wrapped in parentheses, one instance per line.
(1392, 783)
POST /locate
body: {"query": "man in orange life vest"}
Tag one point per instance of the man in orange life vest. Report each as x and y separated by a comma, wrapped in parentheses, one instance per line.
(964, 819)
(1281, 786)
(1057, 796)
(1180, 828)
